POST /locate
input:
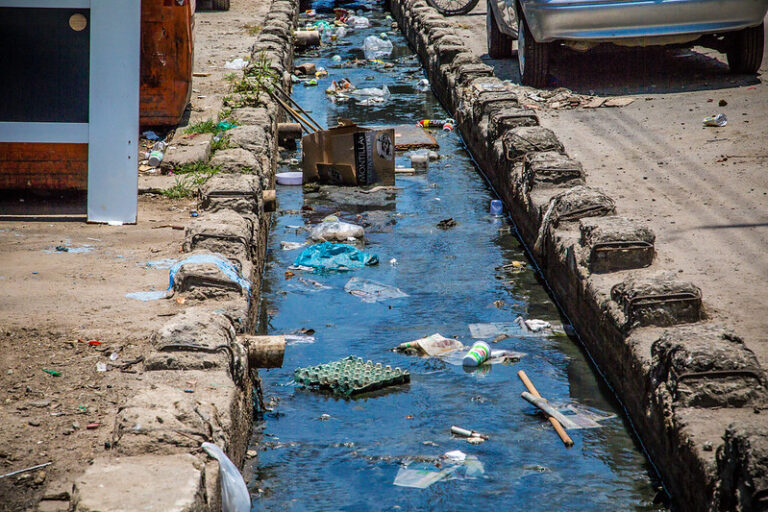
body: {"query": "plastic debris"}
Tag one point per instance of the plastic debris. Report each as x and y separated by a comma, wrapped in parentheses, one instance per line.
(298, 339)
(290, 246)
(321, 72)
(519, 327)
(336, 231)
(238, 63)
(349, 376)
(376, 92)
(436, 123)
(101, 367)
(234, 493)
(371, 291)
(433, 345)
(224, 265)
(477, 355)
(462, 432)
(310, 83)
(331, 256)
(358, 22)
(453, 465)
(718, 120)
(336, 58)
(341, 86)
(423, 85)
(376, 48)
(535, 325)
(53, 373)
(147, 296)
(150, 135)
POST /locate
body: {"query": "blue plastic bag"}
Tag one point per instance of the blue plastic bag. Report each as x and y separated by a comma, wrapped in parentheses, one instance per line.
(330, 256)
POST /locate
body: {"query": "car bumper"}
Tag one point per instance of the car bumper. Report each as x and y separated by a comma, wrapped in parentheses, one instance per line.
(551, 20)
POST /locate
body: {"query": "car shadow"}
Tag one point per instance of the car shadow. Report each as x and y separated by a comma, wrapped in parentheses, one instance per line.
(613, 71)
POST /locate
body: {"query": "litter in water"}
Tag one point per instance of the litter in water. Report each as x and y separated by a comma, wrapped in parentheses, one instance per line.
(376, 48)
(336, 231)
(350, 375)
(453, 465)
(330, 256)
(433, 345)
(371, 291)
(290, 246)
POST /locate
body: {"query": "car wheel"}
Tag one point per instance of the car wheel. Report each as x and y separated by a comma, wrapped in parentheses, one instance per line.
(220, 5)
(499, 44)
(532, 57)
(745, 49)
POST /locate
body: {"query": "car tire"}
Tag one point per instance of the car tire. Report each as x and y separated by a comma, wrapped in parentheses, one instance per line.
(220, 5)
(499, 44)
(533, 57)
(745, 50)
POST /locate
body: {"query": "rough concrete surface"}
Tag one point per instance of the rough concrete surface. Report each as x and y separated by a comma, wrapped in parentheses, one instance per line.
(704, 191)
(54, 301)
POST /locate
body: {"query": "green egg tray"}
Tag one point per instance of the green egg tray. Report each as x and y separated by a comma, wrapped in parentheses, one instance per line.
(350, 376)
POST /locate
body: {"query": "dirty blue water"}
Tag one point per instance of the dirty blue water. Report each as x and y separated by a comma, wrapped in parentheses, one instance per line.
(317, 452)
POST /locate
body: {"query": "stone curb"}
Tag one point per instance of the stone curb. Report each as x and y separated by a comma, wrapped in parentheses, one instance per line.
(632, 321)
(197, 383)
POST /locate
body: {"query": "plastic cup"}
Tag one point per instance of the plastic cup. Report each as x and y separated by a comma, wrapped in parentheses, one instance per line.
(477, 355)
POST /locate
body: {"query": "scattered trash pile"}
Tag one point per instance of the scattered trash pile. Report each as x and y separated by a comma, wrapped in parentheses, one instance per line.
(350, 375)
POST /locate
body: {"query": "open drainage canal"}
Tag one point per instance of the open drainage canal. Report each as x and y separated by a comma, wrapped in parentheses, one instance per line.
(324, 452)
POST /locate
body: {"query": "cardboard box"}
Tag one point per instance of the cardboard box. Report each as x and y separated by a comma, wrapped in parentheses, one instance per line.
(350, 155)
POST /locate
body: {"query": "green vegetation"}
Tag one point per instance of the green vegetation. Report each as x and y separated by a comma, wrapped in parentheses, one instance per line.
(222, 143)
(246, 92)
(207, 126)
(190, 178)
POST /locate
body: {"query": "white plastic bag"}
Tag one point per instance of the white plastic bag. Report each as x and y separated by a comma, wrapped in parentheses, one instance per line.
(336, 231)
(375, 92)
(234, 493)
(238, 63)
(376, 48)
(358, 22)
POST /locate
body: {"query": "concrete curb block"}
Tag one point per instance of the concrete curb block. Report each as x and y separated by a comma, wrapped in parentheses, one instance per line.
(198, 383)
(620, 315)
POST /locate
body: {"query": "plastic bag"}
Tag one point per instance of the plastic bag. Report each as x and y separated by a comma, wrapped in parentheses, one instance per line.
(376, 48)
(335, 231)
(377, 92)
(234, 493)
(358, 22)
(238, 63)
(371, 291)
(330, 256)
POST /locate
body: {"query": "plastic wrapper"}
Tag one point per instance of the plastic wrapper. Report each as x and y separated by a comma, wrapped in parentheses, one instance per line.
(376, 47)
(371, 291)
(234, 493)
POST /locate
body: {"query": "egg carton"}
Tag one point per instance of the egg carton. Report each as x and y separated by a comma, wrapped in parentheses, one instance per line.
(350, 376)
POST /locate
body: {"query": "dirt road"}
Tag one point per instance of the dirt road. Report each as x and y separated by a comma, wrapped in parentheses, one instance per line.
(703, 190)
(63, 282)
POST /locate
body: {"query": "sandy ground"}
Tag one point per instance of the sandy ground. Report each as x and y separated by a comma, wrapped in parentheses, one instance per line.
(703, 190)
(53, 302)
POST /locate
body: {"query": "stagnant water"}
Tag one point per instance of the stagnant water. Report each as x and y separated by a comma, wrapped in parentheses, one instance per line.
(349, 461)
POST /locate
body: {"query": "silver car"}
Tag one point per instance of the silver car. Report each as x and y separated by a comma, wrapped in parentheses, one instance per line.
(734, 27)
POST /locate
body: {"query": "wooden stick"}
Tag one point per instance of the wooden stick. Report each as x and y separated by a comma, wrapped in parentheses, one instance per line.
(299, 107)
(274, 87)
(298, 117)
(567, 441)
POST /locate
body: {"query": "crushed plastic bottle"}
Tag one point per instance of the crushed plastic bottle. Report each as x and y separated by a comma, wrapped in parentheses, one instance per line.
(718, 121)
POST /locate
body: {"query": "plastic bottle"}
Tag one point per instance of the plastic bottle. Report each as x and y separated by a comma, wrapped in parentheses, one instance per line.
(477, 355)
(496, 207)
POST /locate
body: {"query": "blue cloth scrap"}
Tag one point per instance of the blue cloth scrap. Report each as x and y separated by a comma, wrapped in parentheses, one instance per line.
(224, 264)
(331, 256)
